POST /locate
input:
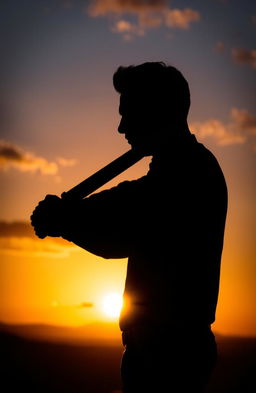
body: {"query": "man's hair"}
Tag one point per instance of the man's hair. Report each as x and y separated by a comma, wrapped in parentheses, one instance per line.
(161, 84)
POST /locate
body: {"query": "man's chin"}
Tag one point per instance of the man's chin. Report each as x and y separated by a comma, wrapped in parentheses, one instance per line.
(145, 150)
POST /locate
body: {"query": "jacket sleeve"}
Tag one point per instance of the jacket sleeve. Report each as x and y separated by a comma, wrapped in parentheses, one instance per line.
(102, 223)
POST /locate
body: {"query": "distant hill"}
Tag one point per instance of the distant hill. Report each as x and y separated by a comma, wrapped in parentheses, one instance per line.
(100, 333)
(40, 366)
(97, 332)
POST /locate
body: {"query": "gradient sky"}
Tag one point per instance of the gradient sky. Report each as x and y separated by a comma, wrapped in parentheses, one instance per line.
(59, 116)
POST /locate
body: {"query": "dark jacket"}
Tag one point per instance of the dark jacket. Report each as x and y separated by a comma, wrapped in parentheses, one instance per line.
(170, 224)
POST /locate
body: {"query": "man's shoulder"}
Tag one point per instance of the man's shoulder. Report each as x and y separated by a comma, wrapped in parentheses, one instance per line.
(129, 184)
(205, 158)
(209, 171)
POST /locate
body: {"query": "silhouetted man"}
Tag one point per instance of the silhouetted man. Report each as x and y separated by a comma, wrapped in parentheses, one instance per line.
(169, 223)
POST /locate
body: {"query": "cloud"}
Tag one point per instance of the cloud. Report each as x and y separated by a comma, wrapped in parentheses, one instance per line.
(16, 228)
(18, 239)
(127, 29)
(244, 120)
(148, 14)
(244, 56)
(82, 305)
(66, 162)
(241, 128)
(181, 18)
(104, 7)
(12, 156)
(222, 133)
(28, 247)
(86, 305)
(123, 26)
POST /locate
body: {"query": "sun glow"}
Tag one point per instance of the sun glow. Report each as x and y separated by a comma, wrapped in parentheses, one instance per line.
(112, 304)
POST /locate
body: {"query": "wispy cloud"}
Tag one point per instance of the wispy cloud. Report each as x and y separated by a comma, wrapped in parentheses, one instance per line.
(244, 120)
(240, 128)
(244, 56)
(83, 305)
(13, 156)
(104, 7)
(66, 162)
(222, 133)
(18, 239)
(86, 305)
(181, 18)
(28, 247)
(148, 14)
(127, 29)
(16, 228)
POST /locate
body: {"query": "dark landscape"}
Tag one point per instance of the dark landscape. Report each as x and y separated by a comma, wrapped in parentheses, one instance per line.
(76, 365)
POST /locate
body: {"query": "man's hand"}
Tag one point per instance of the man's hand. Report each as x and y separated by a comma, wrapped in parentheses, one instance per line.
(48, 216)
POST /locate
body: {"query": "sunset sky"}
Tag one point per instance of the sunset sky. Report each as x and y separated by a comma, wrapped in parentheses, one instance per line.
(59, 118)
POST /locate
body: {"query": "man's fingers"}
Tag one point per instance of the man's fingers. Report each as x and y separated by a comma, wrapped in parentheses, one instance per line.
(40, 229)
(38, 222)
(50, 197)
(36, 216)
(48, 202)
(41, 235)
(45, 216)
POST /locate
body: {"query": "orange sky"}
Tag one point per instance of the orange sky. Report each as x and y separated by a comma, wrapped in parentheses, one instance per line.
(59, 126)
(48, 280)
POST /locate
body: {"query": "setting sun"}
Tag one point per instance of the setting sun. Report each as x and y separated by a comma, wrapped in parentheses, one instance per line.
(112, 304)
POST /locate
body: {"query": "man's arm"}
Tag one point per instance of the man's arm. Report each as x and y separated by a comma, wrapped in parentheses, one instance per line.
(99, 223)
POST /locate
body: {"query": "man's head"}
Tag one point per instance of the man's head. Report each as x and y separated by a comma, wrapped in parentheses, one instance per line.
(154, 103)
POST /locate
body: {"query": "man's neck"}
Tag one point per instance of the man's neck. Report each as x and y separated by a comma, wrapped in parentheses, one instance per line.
(177, 136)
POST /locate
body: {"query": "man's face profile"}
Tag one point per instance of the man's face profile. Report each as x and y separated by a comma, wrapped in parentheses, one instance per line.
(139, 121)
